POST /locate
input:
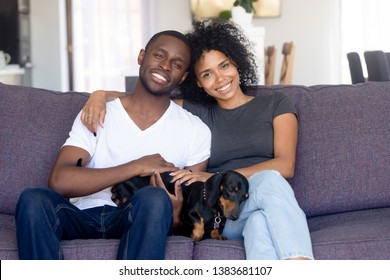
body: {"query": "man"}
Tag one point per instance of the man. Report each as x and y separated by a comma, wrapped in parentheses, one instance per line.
(145, 133)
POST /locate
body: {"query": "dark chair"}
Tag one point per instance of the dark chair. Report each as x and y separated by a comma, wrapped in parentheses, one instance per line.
(388, 59)
(377, 67)
(288, 52)
(130, 82)
(269, 70)
(355, 67)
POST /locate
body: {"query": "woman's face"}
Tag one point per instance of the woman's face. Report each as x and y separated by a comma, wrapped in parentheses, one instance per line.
(217, 75)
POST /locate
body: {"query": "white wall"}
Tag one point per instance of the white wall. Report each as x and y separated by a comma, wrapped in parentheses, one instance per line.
(48, 44)
(314, 26)
(169, 14)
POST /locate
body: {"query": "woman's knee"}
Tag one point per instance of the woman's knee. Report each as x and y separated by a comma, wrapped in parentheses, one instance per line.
(269, 181)
(255, 223)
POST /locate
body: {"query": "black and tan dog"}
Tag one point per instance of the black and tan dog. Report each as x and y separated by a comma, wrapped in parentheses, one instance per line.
(206, 206)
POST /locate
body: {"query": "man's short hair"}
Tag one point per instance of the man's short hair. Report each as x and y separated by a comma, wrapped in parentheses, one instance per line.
(172, 33)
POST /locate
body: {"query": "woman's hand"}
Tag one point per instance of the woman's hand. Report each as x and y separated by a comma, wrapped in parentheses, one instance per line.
(94, 110)
(188, 177)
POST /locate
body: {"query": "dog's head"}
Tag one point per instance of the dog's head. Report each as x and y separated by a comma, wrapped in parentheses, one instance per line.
(228, 189)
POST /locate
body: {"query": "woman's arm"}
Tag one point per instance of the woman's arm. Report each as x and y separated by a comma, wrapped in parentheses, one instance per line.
(94, 110)
(285, 146)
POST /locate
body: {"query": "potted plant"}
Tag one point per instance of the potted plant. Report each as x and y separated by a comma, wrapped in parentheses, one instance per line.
(242, 11)
(246, 4)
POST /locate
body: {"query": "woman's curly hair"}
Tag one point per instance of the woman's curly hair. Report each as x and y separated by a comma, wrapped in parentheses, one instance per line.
(225, 37)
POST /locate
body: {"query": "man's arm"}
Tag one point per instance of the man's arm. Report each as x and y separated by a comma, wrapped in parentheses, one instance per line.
(71, 180)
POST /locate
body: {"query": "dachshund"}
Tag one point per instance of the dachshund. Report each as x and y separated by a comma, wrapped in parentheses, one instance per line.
(206, 206)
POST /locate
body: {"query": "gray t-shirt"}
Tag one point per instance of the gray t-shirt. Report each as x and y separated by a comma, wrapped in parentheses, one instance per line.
(242, 136)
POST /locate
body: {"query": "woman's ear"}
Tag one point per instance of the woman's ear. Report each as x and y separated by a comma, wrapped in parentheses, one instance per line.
(199, 84)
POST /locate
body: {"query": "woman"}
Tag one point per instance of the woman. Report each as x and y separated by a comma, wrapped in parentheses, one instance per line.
(256, 136)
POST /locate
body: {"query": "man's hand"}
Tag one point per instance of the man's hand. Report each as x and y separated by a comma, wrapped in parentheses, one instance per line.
(177, 198)
(150, 164)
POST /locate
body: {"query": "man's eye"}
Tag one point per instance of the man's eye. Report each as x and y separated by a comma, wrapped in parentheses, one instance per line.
(177, 65)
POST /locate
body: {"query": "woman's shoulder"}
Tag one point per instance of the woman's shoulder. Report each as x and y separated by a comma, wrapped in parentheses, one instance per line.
(272, 97)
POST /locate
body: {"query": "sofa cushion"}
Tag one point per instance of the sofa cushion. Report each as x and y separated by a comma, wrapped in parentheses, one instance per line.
(210, 249)
(359, 235)
(34, 125)
(343, 150)
(178, 247)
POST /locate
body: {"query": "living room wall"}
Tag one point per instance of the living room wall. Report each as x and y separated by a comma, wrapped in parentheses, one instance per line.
(48, 44)
(314, 26)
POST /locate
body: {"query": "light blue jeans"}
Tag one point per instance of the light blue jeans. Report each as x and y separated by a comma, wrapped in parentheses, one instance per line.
(271, 222)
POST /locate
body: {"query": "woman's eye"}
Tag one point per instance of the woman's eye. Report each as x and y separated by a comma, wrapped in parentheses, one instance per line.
(206, 75)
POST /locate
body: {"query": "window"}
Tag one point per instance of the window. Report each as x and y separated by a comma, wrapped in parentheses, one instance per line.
(365, 26)
(106, 38)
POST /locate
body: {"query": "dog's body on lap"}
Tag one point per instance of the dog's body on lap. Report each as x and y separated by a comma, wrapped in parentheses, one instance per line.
(206, 205)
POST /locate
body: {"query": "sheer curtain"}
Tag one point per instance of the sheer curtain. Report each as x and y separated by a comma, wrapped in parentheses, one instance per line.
(107, 36)
(365, 26)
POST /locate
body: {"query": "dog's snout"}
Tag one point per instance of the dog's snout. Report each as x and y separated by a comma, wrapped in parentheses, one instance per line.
(232, 213)
(234, 217)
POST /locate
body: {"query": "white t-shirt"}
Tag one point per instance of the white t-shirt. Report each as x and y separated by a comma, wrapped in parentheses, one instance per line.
(179, 136)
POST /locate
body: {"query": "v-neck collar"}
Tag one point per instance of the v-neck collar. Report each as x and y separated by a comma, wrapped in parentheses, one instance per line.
(150, 128)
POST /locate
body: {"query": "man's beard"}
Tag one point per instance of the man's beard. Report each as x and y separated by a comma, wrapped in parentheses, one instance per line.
(161, 92)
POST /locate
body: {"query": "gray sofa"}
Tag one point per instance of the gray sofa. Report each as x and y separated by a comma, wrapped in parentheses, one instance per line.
(342, 178)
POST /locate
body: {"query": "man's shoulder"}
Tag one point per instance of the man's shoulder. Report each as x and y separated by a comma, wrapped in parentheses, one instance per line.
(180, 110)
(187, 116)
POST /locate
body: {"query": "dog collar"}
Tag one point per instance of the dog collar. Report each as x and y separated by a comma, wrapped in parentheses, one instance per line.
(217, 220)
(204, 193)
(217, 215)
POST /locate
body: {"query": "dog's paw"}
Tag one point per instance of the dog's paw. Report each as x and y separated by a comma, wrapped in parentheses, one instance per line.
(215, 235)
(198, 231)
(196, 237)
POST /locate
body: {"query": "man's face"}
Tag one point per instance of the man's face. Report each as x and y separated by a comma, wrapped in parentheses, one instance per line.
(163, 65)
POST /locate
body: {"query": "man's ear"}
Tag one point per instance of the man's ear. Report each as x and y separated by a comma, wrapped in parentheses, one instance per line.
(183, 78)
(141, 56)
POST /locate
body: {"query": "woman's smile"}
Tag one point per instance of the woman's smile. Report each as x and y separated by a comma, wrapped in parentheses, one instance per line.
(224, 88)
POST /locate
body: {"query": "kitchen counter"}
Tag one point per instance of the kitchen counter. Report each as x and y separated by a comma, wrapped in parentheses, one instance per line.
(11, 74)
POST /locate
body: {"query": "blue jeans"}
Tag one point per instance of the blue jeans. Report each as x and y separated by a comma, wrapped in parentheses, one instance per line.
(44, 218)
(271, 222)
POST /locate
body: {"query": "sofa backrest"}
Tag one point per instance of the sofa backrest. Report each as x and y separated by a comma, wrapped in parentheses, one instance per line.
(34, 125)
(343, 156)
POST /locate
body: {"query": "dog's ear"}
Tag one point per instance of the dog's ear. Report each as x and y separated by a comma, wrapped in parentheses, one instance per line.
(213, 188)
